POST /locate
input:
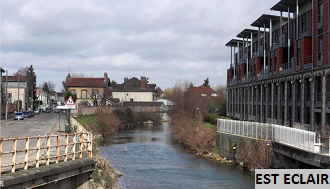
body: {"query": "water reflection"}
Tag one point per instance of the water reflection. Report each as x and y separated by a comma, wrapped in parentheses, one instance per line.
(149, 158)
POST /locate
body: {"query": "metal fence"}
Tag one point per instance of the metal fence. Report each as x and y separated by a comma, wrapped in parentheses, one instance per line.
(298, 138)
(58, 147)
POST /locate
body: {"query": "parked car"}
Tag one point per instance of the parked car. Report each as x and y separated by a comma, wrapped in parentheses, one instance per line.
(51, 108)
(57, 110)
(47, 110)
(41, 110)
(19, 116)
(36, 112)
(32, 113)
(27, 114)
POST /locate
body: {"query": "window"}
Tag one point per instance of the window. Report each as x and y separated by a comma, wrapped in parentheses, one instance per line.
(303, 20)
(9, 97)
(73, 91)
(95, 93)
(83, 94)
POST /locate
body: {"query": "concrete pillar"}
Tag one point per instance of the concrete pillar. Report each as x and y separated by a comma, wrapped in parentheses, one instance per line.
(264, 47)
(302, 100)
(297, 19)
(288, 34)
(257, 94)
(279, 106)
(261, 104)
(272, 102)
(248, 103)
(243, 103)
(266, 102)
(238, 57)
(258, 39)
(252, 98)
(312, 103)
(293, 100)
(234, 63)
(281, 22)
(323, 107)
(286, 107)
(270, 34)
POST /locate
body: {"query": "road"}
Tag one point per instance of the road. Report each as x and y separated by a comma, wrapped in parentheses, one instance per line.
(34, 126)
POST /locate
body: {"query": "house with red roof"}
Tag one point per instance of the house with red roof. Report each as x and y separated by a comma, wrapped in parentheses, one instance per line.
(203, 91)
(90, 91)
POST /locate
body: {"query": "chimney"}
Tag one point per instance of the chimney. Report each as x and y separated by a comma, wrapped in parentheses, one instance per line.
(144, 82)
(125, 79)
(105, 76)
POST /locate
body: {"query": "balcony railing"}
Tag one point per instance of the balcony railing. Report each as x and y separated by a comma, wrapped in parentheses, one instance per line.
(298, 97)
(319, 97)
(298, 64)
(262, 74)
(286, 68)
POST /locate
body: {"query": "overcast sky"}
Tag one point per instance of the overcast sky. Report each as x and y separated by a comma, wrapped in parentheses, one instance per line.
(165, 40)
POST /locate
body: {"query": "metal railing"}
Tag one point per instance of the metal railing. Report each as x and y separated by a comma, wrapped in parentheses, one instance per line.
(298, 138)
(308, 59)
(75, 144)
(285, 66)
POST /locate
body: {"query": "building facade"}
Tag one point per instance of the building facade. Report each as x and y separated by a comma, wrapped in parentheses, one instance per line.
(135, 90)
(16, 90)
(90, 91)
(280, 71)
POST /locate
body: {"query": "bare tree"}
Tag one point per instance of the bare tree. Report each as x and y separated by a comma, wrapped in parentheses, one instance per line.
(80, 75)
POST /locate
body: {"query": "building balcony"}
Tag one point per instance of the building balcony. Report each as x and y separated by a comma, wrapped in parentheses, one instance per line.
(263, 74)
(305, 31)
(233, 81)
(308, 62)
(286, 68)
(259, 52)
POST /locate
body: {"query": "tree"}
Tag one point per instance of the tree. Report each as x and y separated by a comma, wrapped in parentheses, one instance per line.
(68, 94)
(206, 82)
(48, 88)
(31, 82)
(113, 83)
(64, 88)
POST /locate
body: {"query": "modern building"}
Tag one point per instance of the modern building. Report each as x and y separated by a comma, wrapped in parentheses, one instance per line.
(16, 89)
(90, 91)
(135, 90)
(280, 70)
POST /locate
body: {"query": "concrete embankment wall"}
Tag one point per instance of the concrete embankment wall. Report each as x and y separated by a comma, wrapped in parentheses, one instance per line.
(96, 110)
(71, 174)
(283, 156)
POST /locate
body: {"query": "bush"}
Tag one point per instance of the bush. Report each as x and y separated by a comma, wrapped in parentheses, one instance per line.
(211, 118)
(196, 137)
(107, 123)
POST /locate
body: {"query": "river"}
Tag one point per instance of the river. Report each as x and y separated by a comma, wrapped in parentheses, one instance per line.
(149, 158)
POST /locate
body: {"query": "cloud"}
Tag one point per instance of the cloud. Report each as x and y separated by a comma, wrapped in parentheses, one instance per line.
(165, 40)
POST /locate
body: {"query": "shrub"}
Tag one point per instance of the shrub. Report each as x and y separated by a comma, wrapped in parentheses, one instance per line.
(211, 118)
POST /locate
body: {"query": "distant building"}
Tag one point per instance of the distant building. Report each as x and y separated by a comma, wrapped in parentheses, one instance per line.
(135, 90)
(90, 91)
(41, 97)
(60, 99)
(203, 91)
(16, 89)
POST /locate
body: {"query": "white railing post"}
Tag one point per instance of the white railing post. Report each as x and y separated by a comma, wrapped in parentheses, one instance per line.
(243, 127)
(247, 133)
(27, 145)
(267, 131)
(261, 125)
(231, 127)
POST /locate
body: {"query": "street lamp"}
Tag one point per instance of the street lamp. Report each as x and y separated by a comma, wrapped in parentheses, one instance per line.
(195, 111)
(216, 111)
(18, 94)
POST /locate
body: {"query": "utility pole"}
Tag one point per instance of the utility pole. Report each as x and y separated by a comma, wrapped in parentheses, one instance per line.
(6, 94)
(18, 96)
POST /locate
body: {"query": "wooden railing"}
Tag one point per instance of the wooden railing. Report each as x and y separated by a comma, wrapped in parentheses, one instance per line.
(75, 144)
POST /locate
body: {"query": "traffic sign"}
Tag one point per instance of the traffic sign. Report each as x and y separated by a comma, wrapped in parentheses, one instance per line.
(70, 103)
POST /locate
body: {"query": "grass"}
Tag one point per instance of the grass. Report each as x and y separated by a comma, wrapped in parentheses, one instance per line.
(207, 125)
(87, 119)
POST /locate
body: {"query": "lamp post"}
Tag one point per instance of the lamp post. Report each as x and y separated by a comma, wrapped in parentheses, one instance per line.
(195, 111)
(216, 111)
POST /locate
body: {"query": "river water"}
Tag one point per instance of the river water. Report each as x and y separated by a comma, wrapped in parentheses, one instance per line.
(149, 158)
